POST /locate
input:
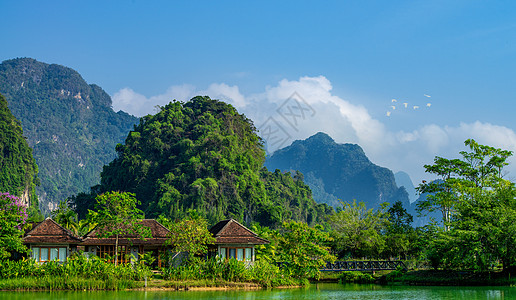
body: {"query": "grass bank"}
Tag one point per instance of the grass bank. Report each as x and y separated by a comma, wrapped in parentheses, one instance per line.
(50, 283)
(449, 278)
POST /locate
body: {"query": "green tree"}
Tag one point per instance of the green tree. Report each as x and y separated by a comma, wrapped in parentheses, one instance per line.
(303, 248)
(204, 155)
(18, 169)
(66, 217)
(267, 252)
(13, 216)
(459, 179)
(116, 214)
(190, 235)
(479, 226)
(357, 231)
(399, 235)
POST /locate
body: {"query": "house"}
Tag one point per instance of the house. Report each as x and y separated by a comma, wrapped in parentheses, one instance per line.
(234, 240)
(48, 241)
(129, 246)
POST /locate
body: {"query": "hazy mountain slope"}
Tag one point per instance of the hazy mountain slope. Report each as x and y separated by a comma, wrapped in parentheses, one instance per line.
(69, 124)
(403, 179)
(339, 170)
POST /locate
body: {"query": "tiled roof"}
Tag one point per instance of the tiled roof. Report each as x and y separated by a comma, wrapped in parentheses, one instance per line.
(232, 232)
(49, 232)
(159, 234)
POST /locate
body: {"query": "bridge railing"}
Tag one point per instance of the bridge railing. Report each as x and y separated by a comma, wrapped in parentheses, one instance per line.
(368, 265)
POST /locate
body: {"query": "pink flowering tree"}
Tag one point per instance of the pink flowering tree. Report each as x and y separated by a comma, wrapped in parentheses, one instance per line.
(13, 215)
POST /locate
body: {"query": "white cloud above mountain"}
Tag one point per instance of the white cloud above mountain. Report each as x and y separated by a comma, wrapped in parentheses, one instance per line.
(297, 109)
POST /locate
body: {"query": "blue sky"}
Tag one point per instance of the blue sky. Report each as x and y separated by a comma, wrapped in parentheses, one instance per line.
(344, 61)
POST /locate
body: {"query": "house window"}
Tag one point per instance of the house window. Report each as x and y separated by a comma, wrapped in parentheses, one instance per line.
(232, 252)
(43, 254)
(238, 253)
(248, 254)
(108, 252)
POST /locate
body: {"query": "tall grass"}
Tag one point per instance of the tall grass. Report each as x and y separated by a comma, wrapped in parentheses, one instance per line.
(77, 273)
(261, 272)
(49, 283)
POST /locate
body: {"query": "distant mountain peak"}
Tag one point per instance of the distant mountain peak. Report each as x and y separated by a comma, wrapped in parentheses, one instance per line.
(321, 137)
(338, 171)
(69, 123)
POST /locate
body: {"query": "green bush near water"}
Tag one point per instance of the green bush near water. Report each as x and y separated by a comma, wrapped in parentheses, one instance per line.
(78, 273)
(356, 277)
(261, 272)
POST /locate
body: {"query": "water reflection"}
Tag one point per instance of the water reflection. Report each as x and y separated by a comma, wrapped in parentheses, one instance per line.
(319, 291)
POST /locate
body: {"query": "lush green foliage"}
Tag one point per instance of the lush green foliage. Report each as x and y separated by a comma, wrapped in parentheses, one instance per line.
(478, 207)
(304, 249)
(204, 155)
(358, 231)
(18, 169)
(78, 273)
(13, 215)
(189, 235)
(66, 217)
(116, 214)
(69, 124)
(300, 249)
(261, 272)
(76, 266)
(356, 277)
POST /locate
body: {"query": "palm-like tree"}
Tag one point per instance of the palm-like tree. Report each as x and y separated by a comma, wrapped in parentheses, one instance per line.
(66, 217)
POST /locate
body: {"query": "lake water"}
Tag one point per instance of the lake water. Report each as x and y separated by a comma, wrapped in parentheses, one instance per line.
(320, 291)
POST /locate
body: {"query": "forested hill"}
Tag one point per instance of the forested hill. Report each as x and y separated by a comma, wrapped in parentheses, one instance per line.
(18, 170)
(69, 124)
(338, 171)
(204, 155)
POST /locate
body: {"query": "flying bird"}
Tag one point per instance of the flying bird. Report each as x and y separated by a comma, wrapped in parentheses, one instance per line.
(406, 104)
(388, 113)
(429, 104)
(393, 107)
(416, 107)
(428, 96)
(394, 100)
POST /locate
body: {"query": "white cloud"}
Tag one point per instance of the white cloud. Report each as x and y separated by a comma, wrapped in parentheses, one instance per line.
(139, 105)
(301, 108)
(229, 94)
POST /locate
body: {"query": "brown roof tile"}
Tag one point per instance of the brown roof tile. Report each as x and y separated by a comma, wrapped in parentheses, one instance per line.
(232, 232)
(49, 232)
(159, 234)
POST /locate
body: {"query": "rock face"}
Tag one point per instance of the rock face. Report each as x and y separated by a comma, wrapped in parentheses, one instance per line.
(69, 124)
(18, 170)
(403, 180)
(338, 171)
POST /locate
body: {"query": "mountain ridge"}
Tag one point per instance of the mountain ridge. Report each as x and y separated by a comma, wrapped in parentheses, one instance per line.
(344, 169)
(69, 123)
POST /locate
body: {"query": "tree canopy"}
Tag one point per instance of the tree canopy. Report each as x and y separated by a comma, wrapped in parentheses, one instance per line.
(69, 124)
(18, 169)
(204, 155)
(14, 216)
(116, 214)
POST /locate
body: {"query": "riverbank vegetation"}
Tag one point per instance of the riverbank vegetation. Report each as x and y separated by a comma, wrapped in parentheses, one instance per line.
(78, 273)
(199, 162)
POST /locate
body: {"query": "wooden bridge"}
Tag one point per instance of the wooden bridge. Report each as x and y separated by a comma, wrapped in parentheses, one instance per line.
(368, 265)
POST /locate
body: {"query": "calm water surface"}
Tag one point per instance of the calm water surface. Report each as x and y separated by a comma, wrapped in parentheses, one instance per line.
(320, 291)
